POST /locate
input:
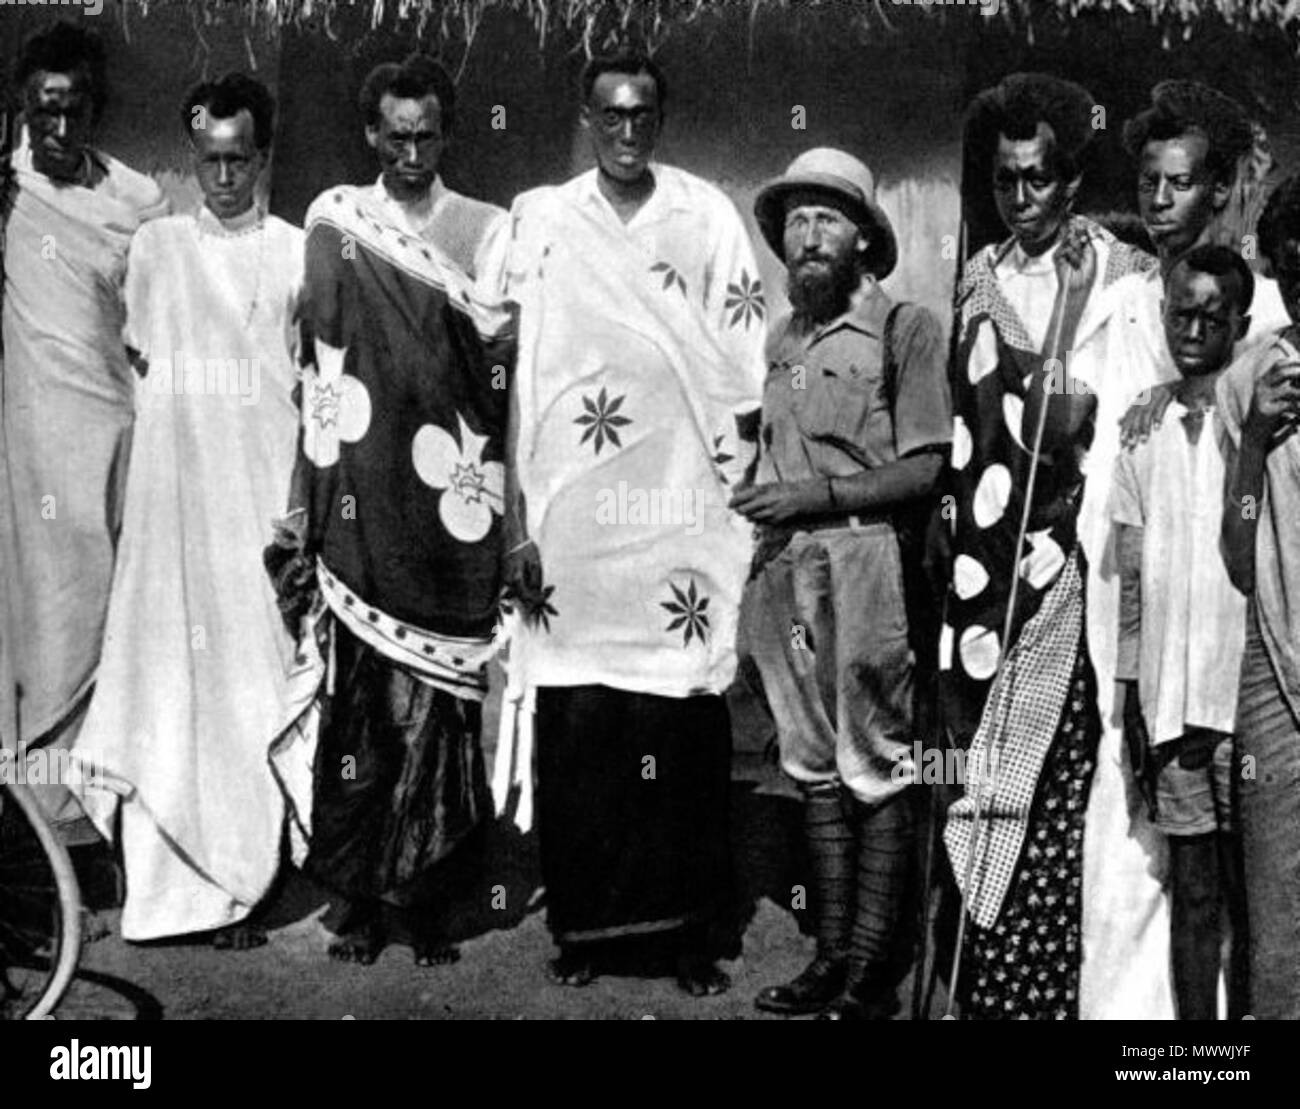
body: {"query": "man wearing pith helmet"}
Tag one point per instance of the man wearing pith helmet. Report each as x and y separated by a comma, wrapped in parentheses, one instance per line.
(856, 423)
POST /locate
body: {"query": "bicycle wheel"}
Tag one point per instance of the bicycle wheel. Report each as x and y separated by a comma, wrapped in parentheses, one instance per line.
(40, 910)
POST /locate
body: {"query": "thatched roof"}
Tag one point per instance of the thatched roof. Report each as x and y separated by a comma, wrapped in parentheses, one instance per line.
(594, 25)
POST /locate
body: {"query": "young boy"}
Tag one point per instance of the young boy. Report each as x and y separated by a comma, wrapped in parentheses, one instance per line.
(1182, 625)
(1260, 401)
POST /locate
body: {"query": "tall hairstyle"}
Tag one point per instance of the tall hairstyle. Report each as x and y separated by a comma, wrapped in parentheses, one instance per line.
(416, 77)
(630, 64)
(1221, 261)
(1191, 108)
(1281, 220)
(226, 97)
(1017, 104)
(67, 48)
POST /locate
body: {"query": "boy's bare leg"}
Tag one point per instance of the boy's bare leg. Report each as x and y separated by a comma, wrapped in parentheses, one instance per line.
(1196, 924)
(1232, 885)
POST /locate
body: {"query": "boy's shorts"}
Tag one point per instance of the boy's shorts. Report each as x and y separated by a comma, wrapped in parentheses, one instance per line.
(1194, 784)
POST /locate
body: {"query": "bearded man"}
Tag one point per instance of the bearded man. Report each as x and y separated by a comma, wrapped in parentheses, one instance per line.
(856, 422)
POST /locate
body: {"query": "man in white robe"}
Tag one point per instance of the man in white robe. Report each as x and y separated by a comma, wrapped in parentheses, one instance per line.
(640, 360)
(66, 393)
(195, 680)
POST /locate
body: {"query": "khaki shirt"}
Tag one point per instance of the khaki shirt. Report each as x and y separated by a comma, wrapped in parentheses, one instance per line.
(826, 408)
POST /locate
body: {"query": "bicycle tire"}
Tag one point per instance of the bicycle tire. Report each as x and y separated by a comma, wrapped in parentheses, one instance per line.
(66, 940)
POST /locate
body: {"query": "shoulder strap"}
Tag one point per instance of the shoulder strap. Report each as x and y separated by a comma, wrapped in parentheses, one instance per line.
(889, 366)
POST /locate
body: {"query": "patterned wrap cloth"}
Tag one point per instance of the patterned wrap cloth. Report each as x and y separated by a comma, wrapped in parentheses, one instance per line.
(990, 467)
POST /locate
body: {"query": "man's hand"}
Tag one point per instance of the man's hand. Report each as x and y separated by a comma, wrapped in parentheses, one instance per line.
(292, 571)
(522, 568)
(138, 361)
(781, 502)
(1138, 741)
(523, 583)
(1076, 261)
(1276, 400)
(1143, 417)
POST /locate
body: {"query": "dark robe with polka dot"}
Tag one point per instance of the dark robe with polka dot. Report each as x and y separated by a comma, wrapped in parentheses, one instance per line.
(1026, 964)
(989, 476)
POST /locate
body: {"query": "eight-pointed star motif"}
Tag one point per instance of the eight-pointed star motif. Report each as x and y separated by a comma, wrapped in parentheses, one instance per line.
(471, 489)
(689, 612)
(601, 419)
(336, 409)
(745, 300)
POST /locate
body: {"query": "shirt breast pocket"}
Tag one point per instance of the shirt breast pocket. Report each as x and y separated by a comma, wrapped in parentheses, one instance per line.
(843, 406)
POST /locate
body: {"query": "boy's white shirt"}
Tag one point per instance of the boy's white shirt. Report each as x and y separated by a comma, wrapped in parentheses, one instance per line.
(1192, 617)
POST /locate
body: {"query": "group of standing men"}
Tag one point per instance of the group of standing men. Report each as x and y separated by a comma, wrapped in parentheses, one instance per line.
(467, 388)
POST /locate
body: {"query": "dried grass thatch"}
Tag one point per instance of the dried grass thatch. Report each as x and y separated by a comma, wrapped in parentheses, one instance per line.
(593, 25)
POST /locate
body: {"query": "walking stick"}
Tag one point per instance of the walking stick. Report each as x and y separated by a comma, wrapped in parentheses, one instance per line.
(923, 982)
(998, 734)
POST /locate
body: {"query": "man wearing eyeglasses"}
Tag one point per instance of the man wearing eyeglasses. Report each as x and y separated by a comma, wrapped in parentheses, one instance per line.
(68, 389)
(641, 361)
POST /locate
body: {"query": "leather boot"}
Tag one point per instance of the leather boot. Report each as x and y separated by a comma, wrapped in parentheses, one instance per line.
(831, 850)
(886, 863)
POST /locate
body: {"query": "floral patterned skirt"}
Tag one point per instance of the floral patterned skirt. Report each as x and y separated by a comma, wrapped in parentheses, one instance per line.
(1026, 966)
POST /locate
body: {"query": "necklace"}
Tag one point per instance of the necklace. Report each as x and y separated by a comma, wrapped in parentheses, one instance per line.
(233, 230)
(257, 279)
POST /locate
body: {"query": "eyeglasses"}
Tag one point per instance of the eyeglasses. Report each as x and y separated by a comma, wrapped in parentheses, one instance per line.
(612, 119)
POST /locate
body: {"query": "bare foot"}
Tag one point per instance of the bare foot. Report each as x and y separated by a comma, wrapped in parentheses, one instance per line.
(431, 953)
(95, 925)
(572, 969)
(699, 977)
(239, 937)
(360, 936)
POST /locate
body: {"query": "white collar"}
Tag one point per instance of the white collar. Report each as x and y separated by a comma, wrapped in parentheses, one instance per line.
(242, 224)
(667, 193)
(1017, 262)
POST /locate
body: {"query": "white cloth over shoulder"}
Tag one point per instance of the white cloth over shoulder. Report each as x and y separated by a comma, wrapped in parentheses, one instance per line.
(65, 422)
(640, 345)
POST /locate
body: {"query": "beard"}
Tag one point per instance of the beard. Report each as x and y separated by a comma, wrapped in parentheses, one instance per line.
(820, 295)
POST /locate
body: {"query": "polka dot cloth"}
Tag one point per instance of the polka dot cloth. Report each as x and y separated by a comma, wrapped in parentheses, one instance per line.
(989, 473)
(990, 469)
(1027, 964)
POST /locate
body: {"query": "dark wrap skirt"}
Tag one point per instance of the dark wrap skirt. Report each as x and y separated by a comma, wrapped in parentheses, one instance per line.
(399, 778)
(632, 811)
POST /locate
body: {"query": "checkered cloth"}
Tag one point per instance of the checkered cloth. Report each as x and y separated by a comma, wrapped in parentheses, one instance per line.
(1019, 723)
(977, 295)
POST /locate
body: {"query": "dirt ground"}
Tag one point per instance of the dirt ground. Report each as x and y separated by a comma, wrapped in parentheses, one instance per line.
(504, 945)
